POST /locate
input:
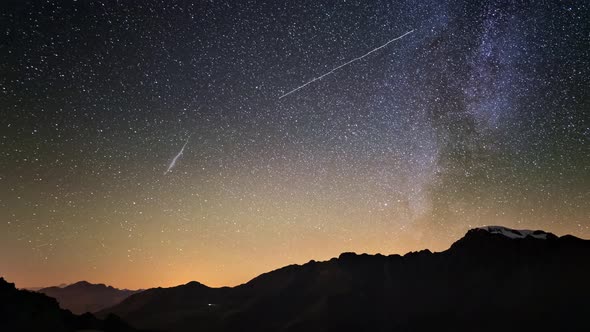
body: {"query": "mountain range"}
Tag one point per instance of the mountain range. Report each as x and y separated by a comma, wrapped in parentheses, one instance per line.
(494, 278)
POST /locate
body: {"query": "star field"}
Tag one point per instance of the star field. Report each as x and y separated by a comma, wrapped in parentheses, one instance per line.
(147, 144)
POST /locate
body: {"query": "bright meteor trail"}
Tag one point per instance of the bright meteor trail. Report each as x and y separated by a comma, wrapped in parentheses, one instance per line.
(173, 162)
(345, 64)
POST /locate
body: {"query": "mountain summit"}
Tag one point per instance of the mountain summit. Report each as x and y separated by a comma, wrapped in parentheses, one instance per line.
(494, 278)
(82, 296)
(516, 234)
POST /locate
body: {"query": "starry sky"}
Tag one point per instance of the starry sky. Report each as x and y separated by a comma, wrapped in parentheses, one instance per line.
(479, 116)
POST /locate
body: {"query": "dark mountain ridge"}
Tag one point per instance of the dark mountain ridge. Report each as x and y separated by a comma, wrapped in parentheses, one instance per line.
(494, 278)
(22, 310)
(83, 296)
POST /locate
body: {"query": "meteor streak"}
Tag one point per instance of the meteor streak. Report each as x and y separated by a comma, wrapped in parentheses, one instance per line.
(173, 162)
(344, 65)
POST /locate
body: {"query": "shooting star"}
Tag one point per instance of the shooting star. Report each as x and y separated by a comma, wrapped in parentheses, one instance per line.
(173, 162)
(344, 65)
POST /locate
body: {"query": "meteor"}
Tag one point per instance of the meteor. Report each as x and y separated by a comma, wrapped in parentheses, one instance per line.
(173, 162)
(344, 65)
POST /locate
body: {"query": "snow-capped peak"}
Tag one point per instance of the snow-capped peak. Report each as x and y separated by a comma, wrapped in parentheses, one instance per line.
(515, 234)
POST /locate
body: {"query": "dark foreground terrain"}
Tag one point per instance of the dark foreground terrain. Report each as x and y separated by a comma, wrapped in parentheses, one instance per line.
(22, 310)
(493, 279)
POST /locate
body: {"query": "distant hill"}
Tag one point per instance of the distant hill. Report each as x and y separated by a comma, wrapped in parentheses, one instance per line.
(35, 289)
(492, 279)
(22, 310)
(82, 297)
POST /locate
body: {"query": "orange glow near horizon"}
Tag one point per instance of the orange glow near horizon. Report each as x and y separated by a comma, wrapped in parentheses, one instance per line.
(229, 268)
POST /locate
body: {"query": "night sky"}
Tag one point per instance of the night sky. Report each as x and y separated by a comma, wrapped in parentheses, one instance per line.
(477, 116)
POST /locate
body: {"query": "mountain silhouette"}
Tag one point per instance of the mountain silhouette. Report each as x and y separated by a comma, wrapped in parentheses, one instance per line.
(494, 278)
(84, 297)
(35, 289)
(22, 310)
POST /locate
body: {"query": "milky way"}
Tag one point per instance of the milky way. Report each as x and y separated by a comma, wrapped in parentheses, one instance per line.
(478, 117)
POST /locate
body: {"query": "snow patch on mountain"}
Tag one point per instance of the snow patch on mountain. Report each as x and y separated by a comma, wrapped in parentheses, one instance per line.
(514, 233)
